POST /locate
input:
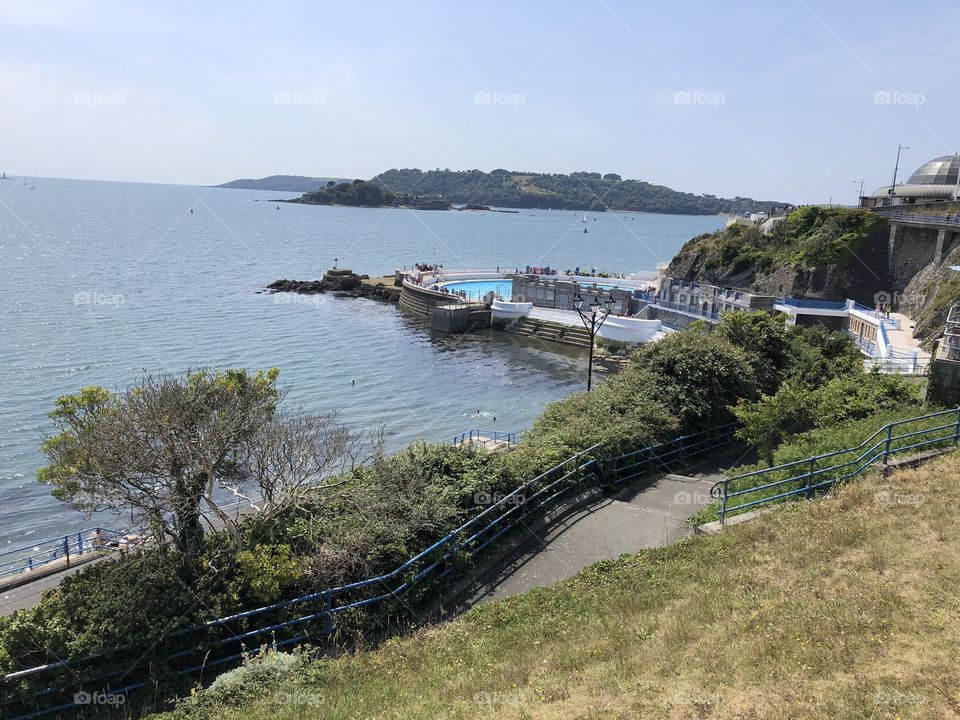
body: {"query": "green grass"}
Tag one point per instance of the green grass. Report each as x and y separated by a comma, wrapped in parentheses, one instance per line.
(841, 608)
(831, 439)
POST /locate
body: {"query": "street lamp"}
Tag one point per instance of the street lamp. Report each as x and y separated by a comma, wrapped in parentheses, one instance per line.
(860, 196)
(893, 188)
(592, 321)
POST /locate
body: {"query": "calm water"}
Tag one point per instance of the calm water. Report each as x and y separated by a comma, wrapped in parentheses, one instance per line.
(102, 282)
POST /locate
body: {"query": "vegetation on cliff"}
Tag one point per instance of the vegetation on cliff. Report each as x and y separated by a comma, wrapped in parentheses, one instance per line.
(815, 251)
(576, 191)
(929, 296)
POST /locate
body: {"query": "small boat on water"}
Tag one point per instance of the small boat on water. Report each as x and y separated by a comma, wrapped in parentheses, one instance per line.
(584, 218)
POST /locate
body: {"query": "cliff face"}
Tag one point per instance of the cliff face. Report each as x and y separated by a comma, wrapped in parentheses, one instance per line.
(929, 295)
(816, 252)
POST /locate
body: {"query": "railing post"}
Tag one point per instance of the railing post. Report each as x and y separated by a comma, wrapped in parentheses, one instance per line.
(80, 543)
(66, 548)
(813, 464)
(886, 445)
(956, 429)
(723, 502)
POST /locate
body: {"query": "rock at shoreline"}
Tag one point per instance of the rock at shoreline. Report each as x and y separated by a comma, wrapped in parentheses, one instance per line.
(343, 285)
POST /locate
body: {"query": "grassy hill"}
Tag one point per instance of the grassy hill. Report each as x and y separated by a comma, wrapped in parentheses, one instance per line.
(282, 183)
(840, 608)
(576, 191)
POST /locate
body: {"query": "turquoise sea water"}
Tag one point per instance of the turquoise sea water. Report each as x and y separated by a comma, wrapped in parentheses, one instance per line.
(101, 282)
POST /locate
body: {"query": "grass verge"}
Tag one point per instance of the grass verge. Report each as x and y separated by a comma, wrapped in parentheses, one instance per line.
(842, 607)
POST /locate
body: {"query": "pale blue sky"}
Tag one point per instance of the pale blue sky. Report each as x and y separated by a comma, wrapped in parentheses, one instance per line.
(778, 100)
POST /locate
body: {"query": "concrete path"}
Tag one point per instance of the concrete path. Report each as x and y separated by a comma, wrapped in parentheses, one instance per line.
(903, 338)
(26, 596)
(651, 515)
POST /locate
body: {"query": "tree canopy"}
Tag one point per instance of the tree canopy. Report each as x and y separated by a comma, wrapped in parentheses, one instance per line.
(576, 191)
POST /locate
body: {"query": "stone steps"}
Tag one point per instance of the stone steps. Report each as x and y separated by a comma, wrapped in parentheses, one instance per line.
(550, 331)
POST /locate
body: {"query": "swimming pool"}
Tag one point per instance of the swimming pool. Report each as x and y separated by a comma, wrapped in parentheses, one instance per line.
(476, 289)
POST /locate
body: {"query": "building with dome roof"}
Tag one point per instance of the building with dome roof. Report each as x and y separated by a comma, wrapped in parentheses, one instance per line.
(934, 181)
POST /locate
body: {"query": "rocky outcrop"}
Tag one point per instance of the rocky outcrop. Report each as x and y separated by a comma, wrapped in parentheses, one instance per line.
(929, 295)
(816, 253)
(341, 285)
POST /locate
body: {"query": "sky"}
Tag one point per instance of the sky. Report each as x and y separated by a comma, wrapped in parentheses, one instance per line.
(791, 101)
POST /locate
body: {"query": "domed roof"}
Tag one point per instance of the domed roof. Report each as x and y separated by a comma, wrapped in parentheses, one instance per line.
(939, 171)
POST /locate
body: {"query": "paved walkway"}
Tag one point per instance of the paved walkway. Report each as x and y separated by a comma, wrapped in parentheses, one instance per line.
(903, 338)
(651, 515)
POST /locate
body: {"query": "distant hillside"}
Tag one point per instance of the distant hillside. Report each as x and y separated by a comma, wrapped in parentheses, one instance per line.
(282, 183)
(577, 191)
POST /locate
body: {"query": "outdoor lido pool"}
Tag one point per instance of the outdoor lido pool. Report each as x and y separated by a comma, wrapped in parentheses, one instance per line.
(476, 289)
(503, 289)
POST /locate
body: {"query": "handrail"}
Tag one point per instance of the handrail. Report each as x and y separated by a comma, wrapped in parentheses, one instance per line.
(881, 445)
(486, 435)
(813, 303)
(38, 554)
(591, 466)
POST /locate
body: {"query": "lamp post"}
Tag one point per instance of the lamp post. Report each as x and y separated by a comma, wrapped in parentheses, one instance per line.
(592, 321)
(893, 188)
(860, 196)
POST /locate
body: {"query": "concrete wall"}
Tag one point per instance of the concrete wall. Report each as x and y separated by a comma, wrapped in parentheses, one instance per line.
(421, 301)
(944, 384)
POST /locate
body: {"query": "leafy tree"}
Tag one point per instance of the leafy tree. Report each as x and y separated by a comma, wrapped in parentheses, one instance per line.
(766, 341)
(699, 376)
(167, 449)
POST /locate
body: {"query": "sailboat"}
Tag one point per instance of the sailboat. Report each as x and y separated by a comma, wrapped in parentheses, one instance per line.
(584, 218)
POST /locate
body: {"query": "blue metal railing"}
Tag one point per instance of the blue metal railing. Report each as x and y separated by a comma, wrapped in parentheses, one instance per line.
(812, 303)
(225, 640)
(483, 436)
(804, 478)
(886, 340)
(919, 217)
(867, 347)
(73, 545)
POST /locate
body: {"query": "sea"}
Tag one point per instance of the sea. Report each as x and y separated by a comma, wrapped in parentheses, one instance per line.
(102, 282)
